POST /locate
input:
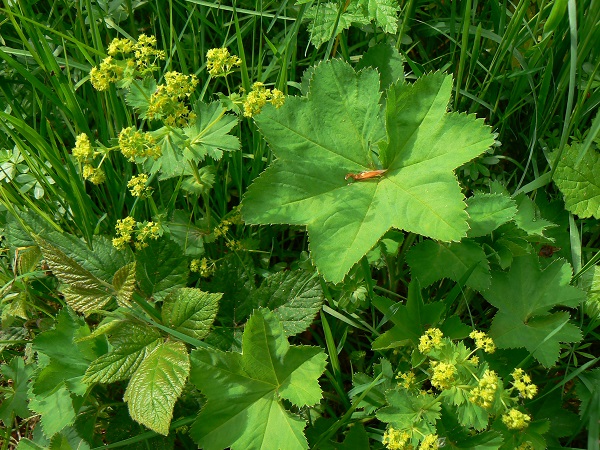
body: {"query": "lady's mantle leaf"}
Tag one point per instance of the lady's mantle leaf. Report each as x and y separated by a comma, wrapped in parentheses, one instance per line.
(431, 261)
(579, 182)
(321, 138)
(244, 410)
(156, 384)
(524, 297)
(488, 211)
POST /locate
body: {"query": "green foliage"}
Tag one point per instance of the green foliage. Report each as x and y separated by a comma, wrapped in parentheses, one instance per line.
(575, 178)
(245, 391)
(336, 130)
(524, 297)
(384, 227)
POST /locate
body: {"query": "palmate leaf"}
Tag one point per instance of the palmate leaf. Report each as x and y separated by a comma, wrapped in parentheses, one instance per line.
(488, 211)
(244, 409)
(14, 398)
(321, 138)
(431, 261)
(524, 297)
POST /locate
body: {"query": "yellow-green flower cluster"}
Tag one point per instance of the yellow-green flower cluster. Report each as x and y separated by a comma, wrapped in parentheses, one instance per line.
(430, 442)
(137, 186)
(515, 419)
(83, 151)
(235, 245)
(523, 384)
(135, 143)
(167, 102)
(125, 228)
(137, 59)
(396, 439)
(408, 379)
(203, 267)
(223, 228)
(107, 72)
(485, 391)
(443, 374)
(220, 62)
(483, 341)
(147, 230)
(259, 96)
(432, 339)
(93, 174)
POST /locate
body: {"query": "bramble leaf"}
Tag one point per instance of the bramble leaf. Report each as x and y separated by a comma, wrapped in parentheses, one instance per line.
(488, 211)
(431, 261)
(294, 297)
(244, 391)
(156, 384)
(157, 280)
(190, 311)
(132, 342)
(87, 273)
(579, 182)
(524, 297)
(321, 138)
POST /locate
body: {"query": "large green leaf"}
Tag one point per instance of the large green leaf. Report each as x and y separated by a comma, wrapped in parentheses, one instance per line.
(132, 342)
(244, 391)
(579, 182)
(524, 297)
(190, 311)
(156, 384)
(319, 139)
(406, 411)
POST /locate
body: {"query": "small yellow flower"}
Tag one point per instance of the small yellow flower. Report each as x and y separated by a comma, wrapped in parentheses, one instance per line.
(485, 392)
(83, 148)
(443, 375)
(432, 339)
(203, 267)
(515, 419)
(108, 72)
(124, 229)
(220, 62)
(409, 379)
(523, 384)
(396, 439)
(482, 341)
(93, 175)
(137, 185)
(430, 442)
(117, 46)
(135, 143)
(259, 96)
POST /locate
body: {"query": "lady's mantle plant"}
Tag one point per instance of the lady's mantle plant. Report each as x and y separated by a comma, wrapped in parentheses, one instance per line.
(345, 125)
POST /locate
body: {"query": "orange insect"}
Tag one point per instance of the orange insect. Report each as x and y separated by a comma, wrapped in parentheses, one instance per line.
(367, 174)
